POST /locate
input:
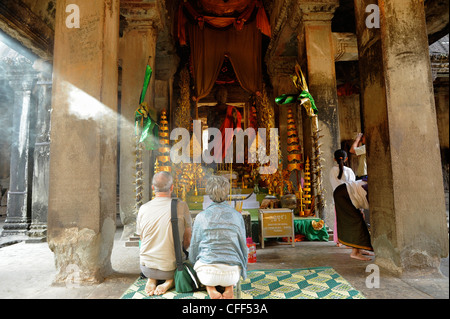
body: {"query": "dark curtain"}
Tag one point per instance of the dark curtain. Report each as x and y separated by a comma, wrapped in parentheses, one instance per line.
(209, 47)
(244, 51)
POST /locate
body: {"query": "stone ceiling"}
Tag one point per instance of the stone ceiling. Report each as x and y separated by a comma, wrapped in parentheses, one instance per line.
(31, 22)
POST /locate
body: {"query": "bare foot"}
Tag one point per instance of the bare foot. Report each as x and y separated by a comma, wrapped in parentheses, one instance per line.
(150, 286)
(360, 257)
(213, 293)
(367, 253)
(228, 293)
(164, 287)
(356, 254)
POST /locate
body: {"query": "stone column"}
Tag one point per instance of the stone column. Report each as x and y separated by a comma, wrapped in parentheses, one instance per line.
(82, 179)
(22, 79)
(39, 204)
(136, 46)
(442, 114)
(321, 78)
(442, 111)
(406, 196)
(6, 112)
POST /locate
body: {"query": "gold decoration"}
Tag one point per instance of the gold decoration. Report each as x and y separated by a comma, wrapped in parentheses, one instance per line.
(279, 182)
(155, 170)
(164, 151)
(316, 161)
(189, 177)
(266, 118)
(317, 225)
(294, 156)
(307, 200)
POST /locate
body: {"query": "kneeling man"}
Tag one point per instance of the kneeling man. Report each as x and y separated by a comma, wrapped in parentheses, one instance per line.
(153, 224)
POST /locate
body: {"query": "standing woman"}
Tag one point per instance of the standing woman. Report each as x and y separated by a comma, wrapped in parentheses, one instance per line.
(349, 199)
(218, 248)
(338, 175)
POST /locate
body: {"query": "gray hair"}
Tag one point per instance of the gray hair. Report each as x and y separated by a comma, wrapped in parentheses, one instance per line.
(217, 188)
(162, 182)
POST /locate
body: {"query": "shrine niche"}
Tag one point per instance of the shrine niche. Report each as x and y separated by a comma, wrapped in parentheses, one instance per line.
(213, 38)
(222, 87)
(226, 81)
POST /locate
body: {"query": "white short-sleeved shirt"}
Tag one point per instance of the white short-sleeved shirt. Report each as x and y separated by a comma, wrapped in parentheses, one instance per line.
(362, 163)
(154, 225)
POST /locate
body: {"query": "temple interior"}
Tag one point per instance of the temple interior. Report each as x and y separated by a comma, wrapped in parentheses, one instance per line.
(91, 96)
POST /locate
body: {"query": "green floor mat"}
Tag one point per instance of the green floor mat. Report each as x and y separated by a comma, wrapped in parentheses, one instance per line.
(309, 283)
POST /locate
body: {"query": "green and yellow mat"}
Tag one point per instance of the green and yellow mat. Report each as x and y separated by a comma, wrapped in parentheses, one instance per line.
(309, 283)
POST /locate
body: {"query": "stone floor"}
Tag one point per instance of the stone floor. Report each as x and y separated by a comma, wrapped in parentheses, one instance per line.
(27, 271)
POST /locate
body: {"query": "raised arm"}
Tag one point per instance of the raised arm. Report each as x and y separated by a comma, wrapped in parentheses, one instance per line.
(355, 143)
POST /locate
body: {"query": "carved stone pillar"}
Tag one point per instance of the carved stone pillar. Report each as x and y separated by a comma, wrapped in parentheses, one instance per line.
(39, 205)
(137, 44)
(136, 47)
(83, 149)
(406, 196)
(280, 71)
(6, 111)
(22, 78)
(320, 59)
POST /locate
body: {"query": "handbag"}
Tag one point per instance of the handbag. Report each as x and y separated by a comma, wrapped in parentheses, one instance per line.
(185, 277)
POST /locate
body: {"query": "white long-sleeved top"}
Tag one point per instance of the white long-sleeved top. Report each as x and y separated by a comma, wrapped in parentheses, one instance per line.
(347, 176)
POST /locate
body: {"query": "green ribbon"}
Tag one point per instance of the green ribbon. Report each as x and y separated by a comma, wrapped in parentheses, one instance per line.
(307, 95)
(286, 99)
(302, 98)
(149, 134)
(148, 75)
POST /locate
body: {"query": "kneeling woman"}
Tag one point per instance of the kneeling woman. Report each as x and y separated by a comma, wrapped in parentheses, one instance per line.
(349, 198)
(218, 245)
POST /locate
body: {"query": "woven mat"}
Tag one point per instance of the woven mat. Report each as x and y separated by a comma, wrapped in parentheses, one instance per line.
(310, 283)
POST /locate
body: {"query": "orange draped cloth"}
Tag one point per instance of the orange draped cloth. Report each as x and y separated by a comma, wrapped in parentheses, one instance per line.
(232, 120)
(224, 7)
(221, 22)
(242, 45)
(210, 43)
(208, 50)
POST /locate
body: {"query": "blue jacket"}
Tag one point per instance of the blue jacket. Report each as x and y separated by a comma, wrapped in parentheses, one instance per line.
(218, 237)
